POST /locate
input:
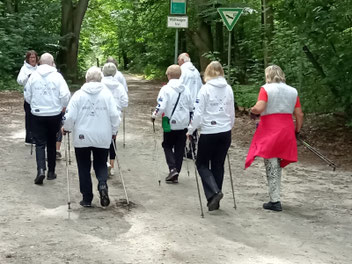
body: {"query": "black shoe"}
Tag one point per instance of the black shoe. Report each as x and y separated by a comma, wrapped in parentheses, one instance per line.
(214, 202)
(85, 203)
(273, 206)
(172, 177)
(40, 177)
(51, 175)
(104, 197)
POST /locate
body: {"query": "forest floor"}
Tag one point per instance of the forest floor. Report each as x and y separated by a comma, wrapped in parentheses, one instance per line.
(163, 222)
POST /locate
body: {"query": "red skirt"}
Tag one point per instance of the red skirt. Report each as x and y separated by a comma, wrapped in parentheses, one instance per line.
(274, 138)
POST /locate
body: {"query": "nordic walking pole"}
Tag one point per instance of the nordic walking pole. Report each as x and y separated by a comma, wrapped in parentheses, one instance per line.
(186, 161)
(124, 128)
(120, 172)
(69, 149)
(195, 174)
(155, 148)
(233, 192)
(67, 176)
(316, 152)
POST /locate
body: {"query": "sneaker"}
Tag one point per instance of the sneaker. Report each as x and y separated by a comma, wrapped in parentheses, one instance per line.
(273, 206)
(214, 202)
(172, 177)
(85, 203)
(40, 177)
(58, 155)
(104, 197)
(111, 171)
(51, 175)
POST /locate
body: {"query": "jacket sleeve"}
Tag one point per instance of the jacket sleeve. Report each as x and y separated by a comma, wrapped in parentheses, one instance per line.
(70, 116)
(64, 92)
(159, 100)
(22, 77)
(232, 107)
(27, 91)
(123, 98)
(114, 115)
(198, 111)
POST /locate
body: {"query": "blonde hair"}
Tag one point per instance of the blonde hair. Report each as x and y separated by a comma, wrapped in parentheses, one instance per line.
(173, 71)
(109, 69)
(213, 70)
(93, 74)
(274, 74)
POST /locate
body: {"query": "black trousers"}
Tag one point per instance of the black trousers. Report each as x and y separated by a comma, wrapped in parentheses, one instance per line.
(28, 122)
(44, 131)
(84, 163)
(211, 155)
(174, 147)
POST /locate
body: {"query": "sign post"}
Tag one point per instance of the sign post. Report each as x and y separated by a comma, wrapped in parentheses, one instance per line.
(177, 19)
(229, 17)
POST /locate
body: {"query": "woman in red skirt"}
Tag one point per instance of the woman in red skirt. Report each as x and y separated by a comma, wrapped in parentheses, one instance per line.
(275, 139)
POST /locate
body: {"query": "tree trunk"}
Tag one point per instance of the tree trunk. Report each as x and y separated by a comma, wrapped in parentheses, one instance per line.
(219, 40)
(268, 29)
(203, 40)
(71, 20)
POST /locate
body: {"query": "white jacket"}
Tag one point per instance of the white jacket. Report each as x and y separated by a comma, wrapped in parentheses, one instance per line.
(25, 72)
(190, 78)
(117, 90)
(92, 115)
(46, 91)
(121, 79)
(214, 108)
(166, 102)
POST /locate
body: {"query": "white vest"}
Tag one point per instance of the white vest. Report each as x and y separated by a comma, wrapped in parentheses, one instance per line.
(281, 98)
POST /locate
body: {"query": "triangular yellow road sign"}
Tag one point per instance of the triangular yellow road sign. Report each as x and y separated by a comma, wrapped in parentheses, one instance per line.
(230, 16)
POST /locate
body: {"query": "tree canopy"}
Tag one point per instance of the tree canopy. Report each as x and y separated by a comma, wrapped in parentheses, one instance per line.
(310, 40)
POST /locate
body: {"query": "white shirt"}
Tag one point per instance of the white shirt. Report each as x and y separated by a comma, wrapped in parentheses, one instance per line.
(214, 108)
(92, 115)
(46, 91)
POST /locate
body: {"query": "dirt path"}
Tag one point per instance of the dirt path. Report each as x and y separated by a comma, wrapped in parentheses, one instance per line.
(164, 225)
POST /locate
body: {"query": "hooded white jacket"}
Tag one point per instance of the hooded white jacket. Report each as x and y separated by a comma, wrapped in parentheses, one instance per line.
(121, 79)
(92, 115)
(167, 99)
(190, 78)
(25, 72)
(117, 90)
(46, 91)
(214, 108)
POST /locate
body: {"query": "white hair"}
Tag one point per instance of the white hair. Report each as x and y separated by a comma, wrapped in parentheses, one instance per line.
(109, 69)
(47, 58)
(94, 74)
(184, 57)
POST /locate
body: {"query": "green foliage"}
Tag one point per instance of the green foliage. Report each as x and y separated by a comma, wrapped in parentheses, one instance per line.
(246, 95)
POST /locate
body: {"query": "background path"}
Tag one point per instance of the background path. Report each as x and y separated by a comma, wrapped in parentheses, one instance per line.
(164, 223)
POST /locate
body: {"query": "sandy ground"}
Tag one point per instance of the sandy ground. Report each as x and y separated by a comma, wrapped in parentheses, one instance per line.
(163, 223)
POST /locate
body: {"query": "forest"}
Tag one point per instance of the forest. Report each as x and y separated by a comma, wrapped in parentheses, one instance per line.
(310, 40)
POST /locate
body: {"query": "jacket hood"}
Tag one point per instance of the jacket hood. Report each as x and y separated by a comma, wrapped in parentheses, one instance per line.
(110, 82)
(92, 87)
(188, 65)
(177, 85)
(29, 66)
(218, 82)
(45, 69)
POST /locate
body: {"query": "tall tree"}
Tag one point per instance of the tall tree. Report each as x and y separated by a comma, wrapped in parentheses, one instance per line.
(72, 14)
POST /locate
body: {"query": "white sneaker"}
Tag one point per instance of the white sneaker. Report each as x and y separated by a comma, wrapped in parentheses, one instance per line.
(112, 172)
(109, 167)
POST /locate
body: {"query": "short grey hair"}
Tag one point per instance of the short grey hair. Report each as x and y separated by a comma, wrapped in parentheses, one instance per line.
(94, 74)
(109, 69)
(184, 57)
(47, 58)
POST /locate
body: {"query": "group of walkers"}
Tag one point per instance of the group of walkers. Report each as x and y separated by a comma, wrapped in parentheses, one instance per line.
(93, 115)
(202, 113)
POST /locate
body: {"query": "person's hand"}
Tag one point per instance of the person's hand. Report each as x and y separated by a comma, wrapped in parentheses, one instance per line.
(64, 132)
(254, 116)
(113, 137)
(152, 118)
